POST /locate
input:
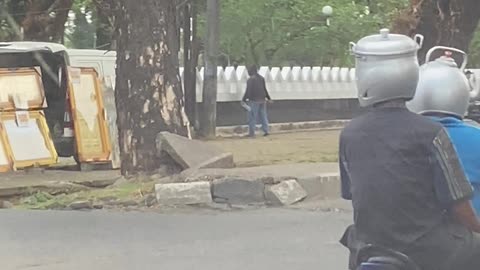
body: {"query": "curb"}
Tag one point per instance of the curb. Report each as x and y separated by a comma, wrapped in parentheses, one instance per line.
(276, 128)
(237, 191)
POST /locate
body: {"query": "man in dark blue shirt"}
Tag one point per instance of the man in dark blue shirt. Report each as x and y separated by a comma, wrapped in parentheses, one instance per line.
(406, 183)
(256, 95)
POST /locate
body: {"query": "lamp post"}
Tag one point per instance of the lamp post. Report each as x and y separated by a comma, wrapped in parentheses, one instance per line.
(327, 12)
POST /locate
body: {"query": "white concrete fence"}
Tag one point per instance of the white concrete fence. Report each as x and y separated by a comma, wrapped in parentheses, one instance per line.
(288, 83)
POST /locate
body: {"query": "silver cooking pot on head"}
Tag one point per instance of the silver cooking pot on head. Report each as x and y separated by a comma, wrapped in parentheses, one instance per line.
(443, 86)
(386, 67)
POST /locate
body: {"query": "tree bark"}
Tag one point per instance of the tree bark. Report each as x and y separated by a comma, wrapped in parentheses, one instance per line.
(442, 22)
(190, 58)
(45, 20)
(148, 91)
(208, 118)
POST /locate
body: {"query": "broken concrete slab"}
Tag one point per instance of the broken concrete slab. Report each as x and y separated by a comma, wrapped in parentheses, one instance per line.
(287, 192)
(324, 186)
(183, 193)
(224, 160)
(192, 153)
(238, 191)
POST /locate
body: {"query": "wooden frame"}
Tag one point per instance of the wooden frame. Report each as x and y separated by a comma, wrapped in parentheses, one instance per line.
(104, 155)
(43, 126)
(32, 104)
(3, 144)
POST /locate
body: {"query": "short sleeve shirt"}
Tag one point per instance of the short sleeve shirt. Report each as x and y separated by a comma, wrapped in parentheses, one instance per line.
(402, 173)
(466, 140)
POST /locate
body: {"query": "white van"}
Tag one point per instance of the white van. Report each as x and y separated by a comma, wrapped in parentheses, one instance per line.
(102, 61)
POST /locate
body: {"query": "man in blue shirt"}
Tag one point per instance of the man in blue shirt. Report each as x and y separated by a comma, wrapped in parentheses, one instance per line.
(466, 139)
(445, 99)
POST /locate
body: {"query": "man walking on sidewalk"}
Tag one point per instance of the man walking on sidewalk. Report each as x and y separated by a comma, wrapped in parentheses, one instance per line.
(256, 95)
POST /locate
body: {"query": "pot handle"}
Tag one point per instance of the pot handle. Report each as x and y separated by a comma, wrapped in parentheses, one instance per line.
(474, 87)
(419, 40)
(465, 57)
(352, 47)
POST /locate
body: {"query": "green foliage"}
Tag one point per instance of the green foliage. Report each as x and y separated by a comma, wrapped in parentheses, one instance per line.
(474, 52)
(80, 32)
(294, 32)
(266, 32)
(83, 36)
(11, 12)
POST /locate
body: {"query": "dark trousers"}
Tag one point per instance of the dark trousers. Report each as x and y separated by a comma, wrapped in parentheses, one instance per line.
(447, 247)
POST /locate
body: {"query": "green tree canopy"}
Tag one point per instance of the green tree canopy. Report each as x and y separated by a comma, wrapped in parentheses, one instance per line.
(294, 32)
(81, 31)
(265, 32)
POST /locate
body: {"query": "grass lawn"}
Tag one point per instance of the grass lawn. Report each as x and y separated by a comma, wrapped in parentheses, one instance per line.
(309, 146)
(122, 192)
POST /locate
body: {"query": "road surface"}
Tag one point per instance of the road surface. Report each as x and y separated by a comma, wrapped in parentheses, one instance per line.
(264, 239)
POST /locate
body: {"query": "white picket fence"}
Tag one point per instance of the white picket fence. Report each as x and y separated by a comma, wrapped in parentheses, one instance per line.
(288, 83)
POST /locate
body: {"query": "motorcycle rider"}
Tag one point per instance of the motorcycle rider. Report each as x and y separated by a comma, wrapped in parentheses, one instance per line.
(400, 169)
(443, 94)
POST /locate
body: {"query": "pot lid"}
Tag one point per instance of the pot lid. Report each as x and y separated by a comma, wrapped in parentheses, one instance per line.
(385, 43)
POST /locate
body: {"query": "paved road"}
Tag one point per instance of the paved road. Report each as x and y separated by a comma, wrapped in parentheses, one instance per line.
(277, 239)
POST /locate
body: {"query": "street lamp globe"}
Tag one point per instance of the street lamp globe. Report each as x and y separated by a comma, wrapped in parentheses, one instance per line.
(327, 11)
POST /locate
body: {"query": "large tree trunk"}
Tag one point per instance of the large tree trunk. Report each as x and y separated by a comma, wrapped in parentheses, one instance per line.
(45, 20)
(442, 22)
(148, 92)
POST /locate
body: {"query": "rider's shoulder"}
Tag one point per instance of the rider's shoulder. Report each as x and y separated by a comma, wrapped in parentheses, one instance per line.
(471, 124)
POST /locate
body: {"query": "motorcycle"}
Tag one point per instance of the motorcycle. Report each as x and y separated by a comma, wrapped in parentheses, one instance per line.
(373, 257)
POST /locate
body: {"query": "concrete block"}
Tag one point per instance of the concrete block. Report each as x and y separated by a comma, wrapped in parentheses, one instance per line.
(321, 186)
(224, 160)
(238, 191)
(183, 193)
(192, 153)
(288, 192)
